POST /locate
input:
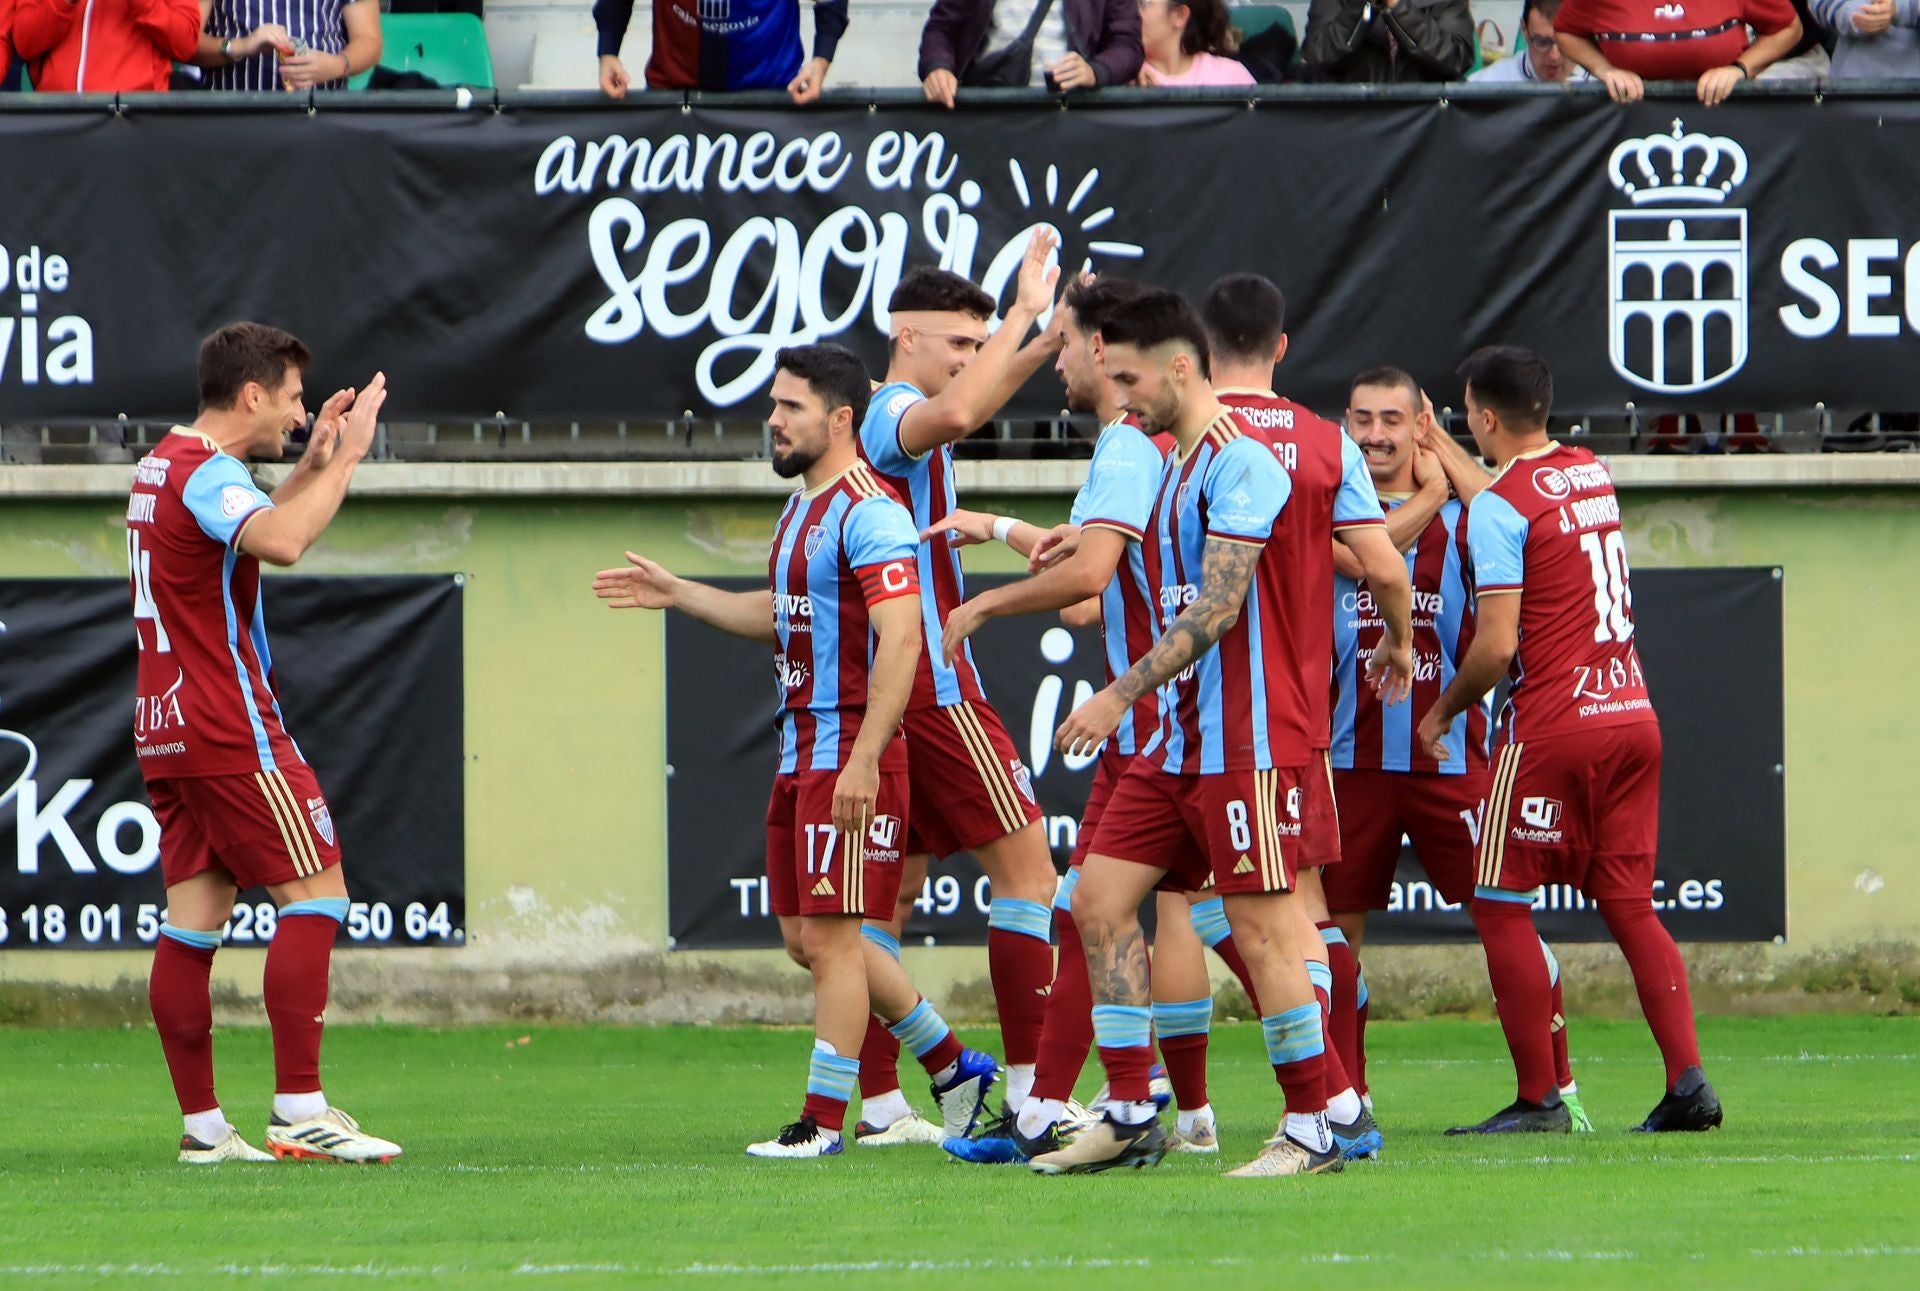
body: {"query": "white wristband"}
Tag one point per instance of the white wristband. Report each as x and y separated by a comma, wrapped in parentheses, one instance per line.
(1002, 526)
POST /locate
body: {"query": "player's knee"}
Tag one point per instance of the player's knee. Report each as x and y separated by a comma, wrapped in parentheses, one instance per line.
(828, 942)
(1096, 913)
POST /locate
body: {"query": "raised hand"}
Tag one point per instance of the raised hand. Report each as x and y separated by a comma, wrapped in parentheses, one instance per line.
(642, 585)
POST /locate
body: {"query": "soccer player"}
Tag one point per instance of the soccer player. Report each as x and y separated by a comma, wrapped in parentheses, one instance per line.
(842, 611)
(1219, 790)
(1576, 784)
(970, 792)
(1333, 496)
(1388, 787)
(1105, 567)
(237, 804)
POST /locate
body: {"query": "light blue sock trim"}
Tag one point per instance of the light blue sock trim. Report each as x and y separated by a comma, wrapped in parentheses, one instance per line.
(1063, 894)
(191, 937)
(1333, 936)
(1210, 920)
(1294, 1035)
(1321, 975)
(1483, 893)
(1122, 1026)
(334, 908)
(831, 1075)
(1187, 1017)
(1028, 918)
(1360, 981)
(883, 939)
(1553, 964)
(921, 1029)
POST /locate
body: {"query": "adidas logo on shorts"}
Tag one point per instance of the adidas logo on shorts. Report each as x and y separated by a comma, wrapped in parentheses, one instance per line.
(1244, 865)
(824, 888)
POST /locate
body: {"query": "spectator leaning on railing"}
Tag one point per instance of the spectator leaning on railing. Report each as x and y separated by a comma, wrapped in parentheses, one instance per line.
(1375, 41)
(1059, 44)
(1537, 56)
(723, 45)
(103, 45)
(1626, 42)
(1873, 38)
(1189, 42)
(287, 44)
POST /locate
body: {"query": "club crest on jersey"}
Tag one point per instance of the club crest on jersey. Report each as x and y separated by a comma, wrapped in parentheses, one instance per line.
(816, 539)
(1552, 483)
(901, 402)
(235, 500)
(322, 818)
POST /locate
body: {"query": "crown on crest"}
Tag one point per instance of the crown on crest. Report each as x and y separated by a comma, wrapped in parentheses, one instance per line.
(1677, 167)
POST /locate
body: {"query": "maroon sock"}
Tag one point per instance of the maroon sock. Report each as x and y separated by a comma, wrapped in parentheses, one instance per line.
(295, 987)
(1359, 1073)
(1335, 1070)
(183, 1014)
(1128, 1070)
(1562, 1060)
(1305, 1083)
(1660, 976)
(879, 1060)
(1520, 990)
(1346, 994)
(1230, 954)
(1186, 1059)
(1067, 1034)
(827, 1113)
(1022, 970)
(942, 1055)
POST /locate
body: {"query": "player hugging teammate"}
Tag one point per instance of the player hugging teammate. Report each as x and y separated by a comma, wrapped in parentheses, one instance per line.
(1234, 548)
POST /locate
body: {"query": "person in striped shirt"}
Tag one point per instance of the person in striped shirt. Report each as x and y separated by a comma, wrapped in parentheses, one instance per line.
(842, 612)
(268, 45)
(1387, 786)
(1217, 794)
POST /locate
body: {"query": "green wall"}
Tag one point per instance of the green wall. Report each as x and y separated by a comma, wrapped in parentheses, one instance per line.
(565, 796)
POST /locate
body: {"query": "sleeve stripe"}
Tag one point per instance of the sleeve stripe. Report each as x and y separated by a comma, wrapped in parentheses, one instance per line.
(245, 521)
(1119, 526)
(1496, 589)
(1359, 524)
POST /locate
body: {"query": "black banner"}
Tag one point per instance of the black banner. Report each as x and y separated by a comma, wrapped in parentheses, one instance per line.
(644, 261)
(370, 681)
(1710, 640)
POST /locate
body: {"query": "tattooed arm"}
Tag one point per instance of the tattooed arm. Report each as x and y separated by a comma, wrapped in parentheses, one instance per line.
(1227, 567)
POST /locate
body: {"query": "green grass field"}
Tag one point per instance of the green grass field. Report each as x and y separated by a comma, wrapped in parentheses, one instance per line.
(607, 1155)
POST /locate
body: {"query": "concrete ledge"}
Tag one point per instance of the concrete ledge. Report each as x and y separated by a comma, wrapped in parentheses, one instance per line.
(754, 479)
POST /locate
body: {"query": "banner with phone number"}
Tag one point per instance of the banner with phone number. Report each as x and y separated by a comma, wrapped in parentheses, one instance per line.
(1722, 869)
(368, 672)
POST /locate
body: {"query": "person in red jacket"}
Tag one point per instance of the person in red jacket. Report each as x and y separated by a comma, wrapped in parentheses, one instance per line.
(6, 41)
(104, 45)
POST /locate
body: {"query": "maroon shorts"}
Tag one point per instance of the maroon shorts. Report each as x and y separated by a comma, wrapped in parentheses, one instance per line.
(1320, 839)
(814, 869)
(1581, 809)
(1440, 814)
(1106, 774)
(263, 827)
(1240, 827)
(968, 785)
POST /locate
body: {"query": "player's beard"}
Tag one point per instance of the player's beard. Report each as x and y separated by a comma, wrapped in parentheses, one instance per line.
(795, 461)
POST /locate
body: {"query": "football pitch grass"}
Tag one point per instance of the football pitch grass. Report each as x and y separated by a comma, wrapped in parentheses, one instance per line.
(586, 1156)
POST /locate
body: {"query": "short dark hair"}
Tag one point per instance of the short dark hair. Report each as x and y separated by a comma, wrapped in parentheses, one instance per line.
(243, 352)
(1093, 302)
(926, 288)
(1155, 318)
(1516, 383)
(1389, 377)
(1208, 29)
(833, 372)
(1246, 315)
(1545, 8)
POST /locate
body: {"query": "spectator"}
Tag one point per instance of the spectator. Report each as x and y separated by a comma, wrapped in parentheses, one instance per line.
(742, 45)
(1060, 44)
(1874, 39)
(1538, 57)
(1374, 41)
(300, 45)
(1189, 42)
(1625, 42)
(103, 45)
